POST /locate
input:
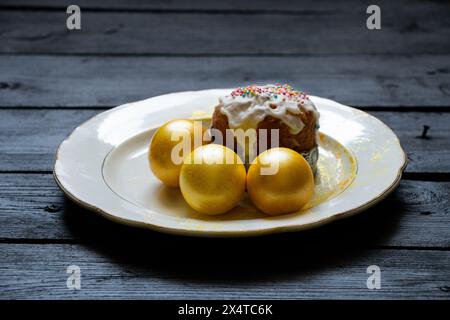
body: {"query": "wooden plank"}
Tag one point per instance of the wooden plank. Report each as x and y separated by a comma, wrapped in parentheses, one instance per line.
(425, 155)
(406, 29)
(362, 81)
(31, 271)
(284, 6)
(415, 215)
(29, 138)
(281, 6)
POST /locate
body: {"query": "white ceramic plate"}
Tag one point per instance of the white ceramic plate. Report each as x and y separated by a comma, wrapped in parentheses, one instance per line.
(103, 166)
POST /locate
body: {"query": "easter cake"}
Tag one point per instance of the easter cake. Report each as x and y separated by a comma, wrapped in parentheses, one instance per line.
(271, 107)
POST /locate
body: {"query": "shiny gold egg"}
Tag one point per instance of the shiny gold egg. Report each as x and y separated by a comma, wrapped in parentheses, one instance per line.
(280, 181)
(212, 179)
(171, 143)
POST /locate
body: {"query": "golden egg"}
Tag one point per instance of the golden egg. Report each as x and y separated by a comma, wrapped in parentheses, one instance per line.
(171, 143)
(212, 179)
(280, 181)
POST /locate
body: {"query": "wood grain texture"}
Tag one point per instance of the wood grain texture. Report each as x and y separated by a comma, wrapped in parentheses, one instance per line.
(29, 138)
(415, 215)
(283, 6)
(407, 28)
(31, 271)
(361, 81)
(233, 6)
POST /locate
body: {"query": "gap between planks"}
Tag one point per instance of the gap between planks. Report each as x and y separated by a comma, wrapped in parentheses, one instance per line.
(411, 176)
(274, 12)
(424, 108)
(50, 241)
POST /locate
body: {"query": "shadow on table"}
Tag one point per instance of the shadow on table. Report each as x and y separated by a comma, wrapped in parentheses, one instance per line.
(249, 259)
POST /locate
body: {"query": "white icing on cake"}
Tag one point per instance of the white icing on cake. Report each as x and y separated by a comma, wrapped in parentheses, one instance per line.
(246, 110)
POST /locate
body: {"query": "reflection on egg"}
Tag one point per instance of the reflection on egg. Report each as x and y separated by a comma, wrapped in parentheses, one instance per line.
(280, 181)
(212, 179)
(170, 144)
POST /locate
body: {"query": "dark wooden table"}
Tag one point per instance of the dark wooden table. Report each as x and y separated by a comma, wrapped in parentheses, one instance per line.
(53, 79)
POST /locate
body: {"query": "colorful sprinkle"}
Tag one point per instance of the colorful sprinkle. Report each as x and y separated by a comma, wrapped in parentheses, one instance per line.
(284, 90)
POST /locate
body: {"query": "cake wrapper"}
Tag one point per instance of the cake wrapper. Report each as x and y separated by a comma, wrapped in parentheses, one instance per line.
(311, 157)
